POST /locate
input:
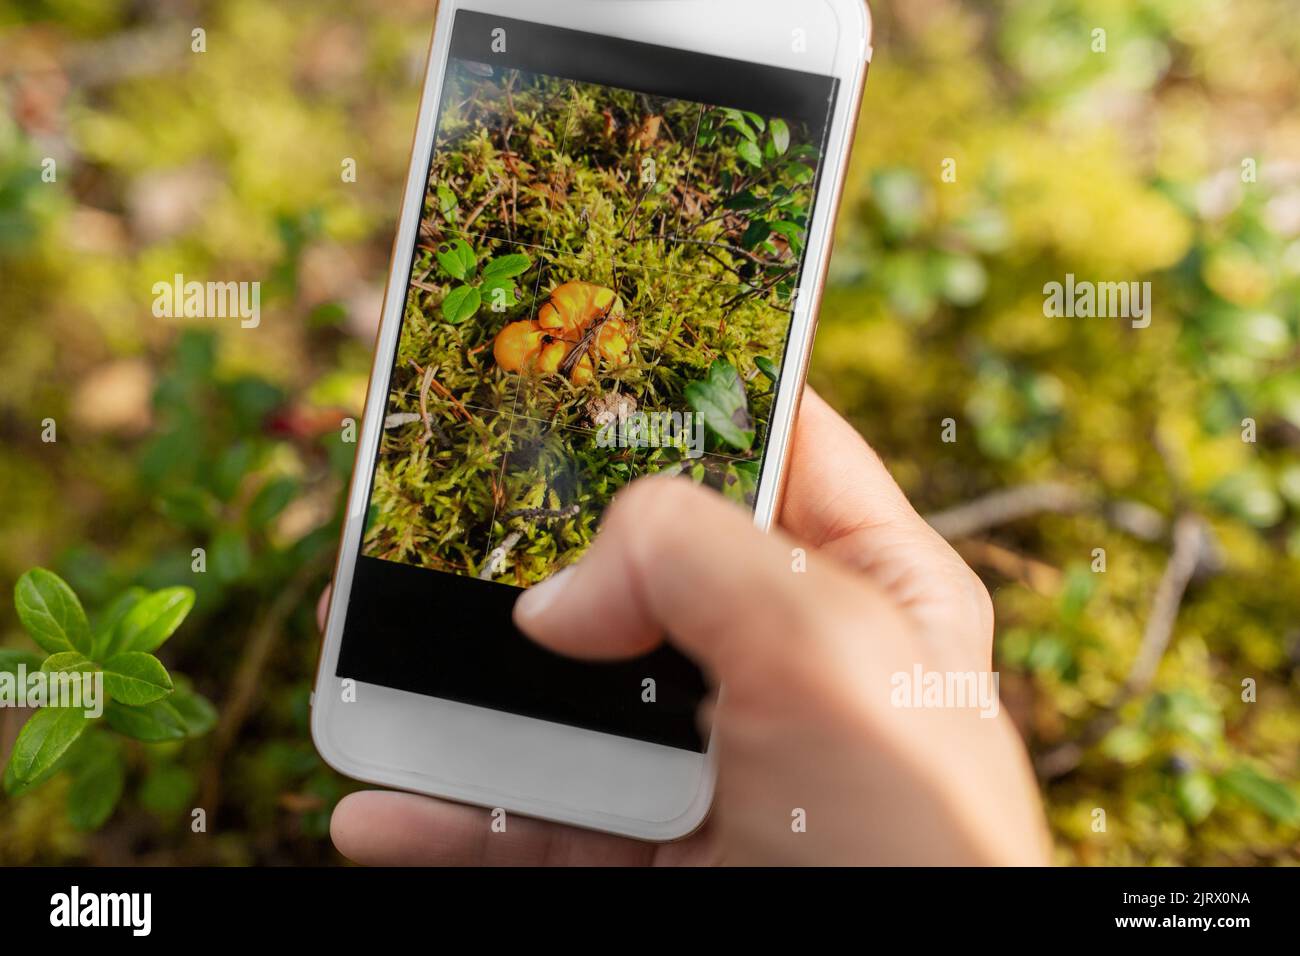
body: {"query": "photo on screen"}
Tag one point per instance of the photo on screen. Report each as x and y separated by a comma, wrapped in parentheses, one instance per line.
(602, 290)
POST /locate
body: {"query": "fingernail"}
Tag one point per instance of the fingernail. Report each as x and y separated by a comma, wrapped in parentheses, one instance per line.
(534, 602)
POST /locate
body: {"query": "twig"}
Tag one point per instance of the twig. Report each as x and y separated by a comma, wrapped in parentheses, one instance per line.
(631, 217)
(424, 405)
(478, 210)
(1039, 576)
(734, 250)
(1006, 506)
(545, 514)
(442, 390)
(236, 708)
(1013, 504)
(1192, 550)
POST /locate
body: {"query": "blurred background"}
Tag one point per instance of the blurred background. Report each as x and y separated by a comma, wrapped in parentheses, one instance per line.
(1002, 145)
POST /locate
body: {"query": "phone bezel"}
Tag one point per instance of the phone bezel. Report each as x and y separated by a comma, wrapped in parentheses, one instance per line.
(521, 764)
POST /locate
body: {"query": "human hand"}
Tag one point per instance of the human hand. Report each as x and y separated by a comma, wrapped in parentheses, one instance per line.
(807, 720)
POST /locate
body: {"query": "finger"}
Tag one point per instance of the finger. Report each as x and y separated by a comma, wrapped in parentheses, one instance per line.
(678, 559)
(379, 828)
(837, 484)
(840, 497)
(323, 607)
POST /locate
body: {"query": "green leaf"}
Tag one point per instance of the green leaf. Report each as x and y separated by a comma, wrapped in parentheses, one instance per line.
(195, 710)
(13, 786)
(780, 136)
(152, 722)
(272, 499)
(153, 620)
(1195, 796)
(168, 790)
(44, 739)
(67, 661)
(736, 120)
(457, 259)
(750, 152)
(461, 304)
(507, 296)
(111, 618)
(742, 200)
(136, 678)
(507, 267)
(232, 558)
(792, 231)
(191, 507)
(757, 232)
(231, 469)
(447, 203)
(1272, 797)
(97, 780)
(10, 659)
(768, 369)
(51, 613)
(722, 402)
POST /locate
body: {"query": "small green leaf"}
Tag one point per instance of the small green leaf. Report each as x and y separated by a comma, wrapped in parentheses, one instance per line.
(780, 136)
(1272, 797)
(272, 499)
(112, 617)
(150, 622)
(191, 507)
(10, 660)
(136, 678)
(507, 267)
(461, 304)
(457, 259)
(152, 722)
(499, 292)
(792, 231)
(737, 122)
(231, 469)
(757, 232)
(232, 558)
(447, 203)
(195, 710)
(51, 613)
(1195, 796)
(44, 739)
(722, 402)
(167, 790)
(742, 200)
(97, 780)
(750, 152)
(768, 369)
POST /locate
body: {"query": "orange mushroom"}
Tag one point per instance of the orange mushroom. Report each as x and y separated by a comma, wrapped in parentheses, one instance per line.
(578, 315)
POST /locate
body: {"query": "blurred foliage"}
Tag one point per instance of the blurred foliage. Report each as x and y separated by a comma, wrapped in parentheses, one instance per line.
(1122, 165)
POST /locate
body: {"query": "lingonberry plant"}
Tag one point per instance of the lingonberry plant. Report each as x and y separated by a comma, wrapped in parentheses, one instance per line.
(142, 701)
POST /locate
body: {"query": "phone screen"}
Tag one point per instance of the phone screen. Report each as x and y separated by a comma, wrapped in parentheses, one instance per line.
(601, 288)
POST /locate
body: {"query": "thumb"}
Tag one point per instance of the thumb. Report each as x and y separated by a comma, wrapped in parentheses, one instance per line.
(675, 559)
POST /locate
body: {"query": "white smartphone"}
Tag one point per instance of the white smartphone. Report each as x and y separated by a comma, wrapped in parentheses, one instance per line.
(608, 264)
